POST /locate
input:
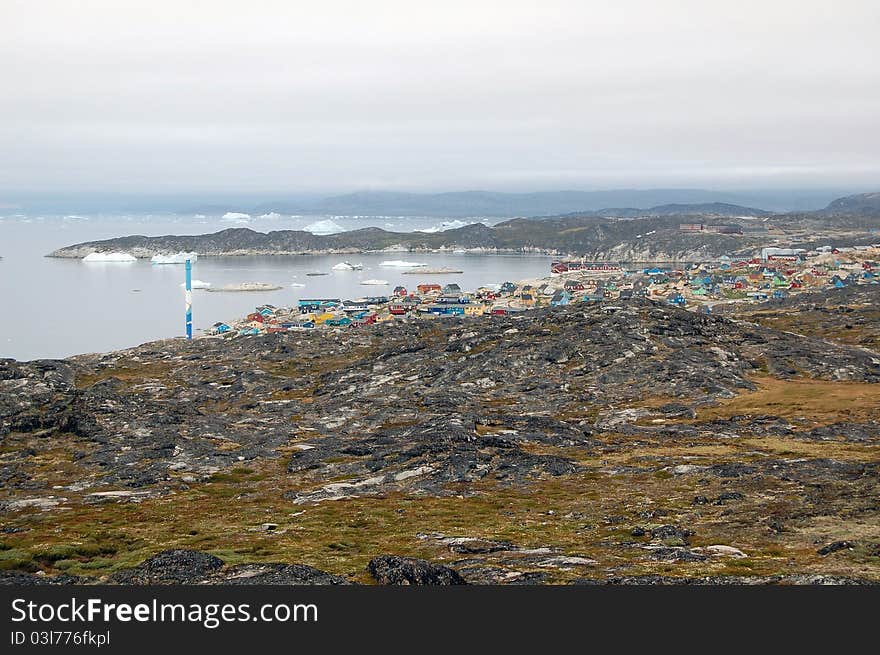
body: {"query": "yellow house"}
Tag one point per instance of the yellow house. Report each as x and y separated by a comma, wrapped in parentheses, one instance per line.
(323, 318)
(474, 309)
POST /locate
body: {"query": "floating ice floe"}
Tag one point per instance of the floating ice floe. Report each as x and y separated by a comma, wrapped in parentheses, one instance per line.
(235, 217)
(177, 258)
(324, 227)
(347, 266)
(397, 263)
(374, 283)
(110, 257)
(297, 285)
(198, 284)
(247, 286)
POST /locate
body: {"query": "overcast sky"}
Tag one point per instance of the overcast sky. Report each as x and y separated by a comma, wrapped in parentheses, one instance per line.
(331, 95)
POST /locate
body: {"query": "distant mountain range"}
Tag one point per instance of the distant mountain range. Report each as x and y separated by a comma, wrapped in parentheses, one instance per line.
(704, 209)
(456, 204)
(863, 204)
(460, 204)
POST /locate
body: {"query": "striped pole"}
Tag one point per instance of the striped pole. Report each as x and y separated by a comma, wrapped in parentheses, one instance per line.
(189, 300)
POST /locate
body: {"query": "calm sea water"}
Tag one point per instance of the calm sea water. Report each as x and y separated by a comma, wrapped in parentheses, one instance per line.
(59, 307)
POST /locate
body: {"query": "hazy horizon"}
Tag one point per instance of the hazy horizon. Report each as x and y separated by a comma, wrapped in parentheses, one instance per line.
(165, 97)
(362, 200)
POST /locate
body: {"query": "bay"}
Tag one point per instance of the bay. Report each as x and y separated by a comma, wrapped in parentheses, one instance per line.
(59, 307)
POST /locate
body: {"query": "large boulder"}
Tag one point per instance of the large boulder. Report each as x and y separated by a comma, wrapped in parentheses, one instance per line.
(170, 567)
(394, 570)
(277, 574)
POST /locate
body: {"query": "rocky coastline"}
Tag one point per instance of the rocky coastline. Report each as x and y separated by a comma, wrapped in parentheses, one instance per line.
(644, 238)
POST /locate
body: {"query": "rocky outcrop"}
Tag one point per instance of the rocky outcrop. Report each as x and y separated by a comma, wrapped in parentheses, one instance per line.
(392, 570)
(646, 237)
(170, 567)
(616, 426)
(189, 567)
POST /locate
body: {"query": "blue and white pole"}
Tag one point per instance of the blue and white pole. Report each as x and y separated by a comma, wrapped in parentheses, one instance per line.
(189, 300)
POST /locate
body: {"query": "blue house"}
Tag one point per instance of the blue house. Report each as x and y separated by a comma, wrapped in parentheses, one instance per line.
(220, 328)
(560, 299)
(508, 287)
(446, 310)
(316, 304)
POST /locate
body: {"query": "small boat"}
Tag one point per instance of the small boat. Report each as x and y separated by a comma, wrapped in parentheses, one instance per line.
(316, 274)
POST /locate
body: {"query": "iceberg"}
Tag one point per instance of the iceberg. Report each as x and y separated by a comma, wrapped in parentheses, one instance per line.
(235, 217)
(346, 266)
(179, 258)
(445, 225)
(109, 257)
(324, 227)
(247, 286)
(197, 284)
(397, 263)
(374, 283)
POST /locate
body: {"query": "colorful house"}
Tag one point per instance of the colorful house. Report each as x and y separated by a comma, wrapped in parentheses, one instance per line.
(560, 298)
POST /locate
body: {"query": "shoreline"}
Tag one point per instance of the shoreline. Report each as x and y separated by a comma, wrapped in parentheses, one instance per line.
(140, 253)
(669, 287)
(510, 302)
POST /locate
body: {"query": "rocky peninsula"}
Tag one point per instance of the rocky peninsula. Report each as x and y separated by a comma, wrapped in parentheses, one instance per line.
(660, 234)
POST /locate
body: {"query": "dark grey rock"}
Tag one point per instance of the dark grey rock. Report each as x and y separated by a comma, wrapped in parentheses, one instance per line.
(835, 546)
(170, 567)
(393, 570)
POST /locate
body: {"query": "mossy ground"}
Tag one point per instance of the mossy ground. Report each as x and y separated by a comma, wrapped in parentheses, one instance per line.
(622, 484)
